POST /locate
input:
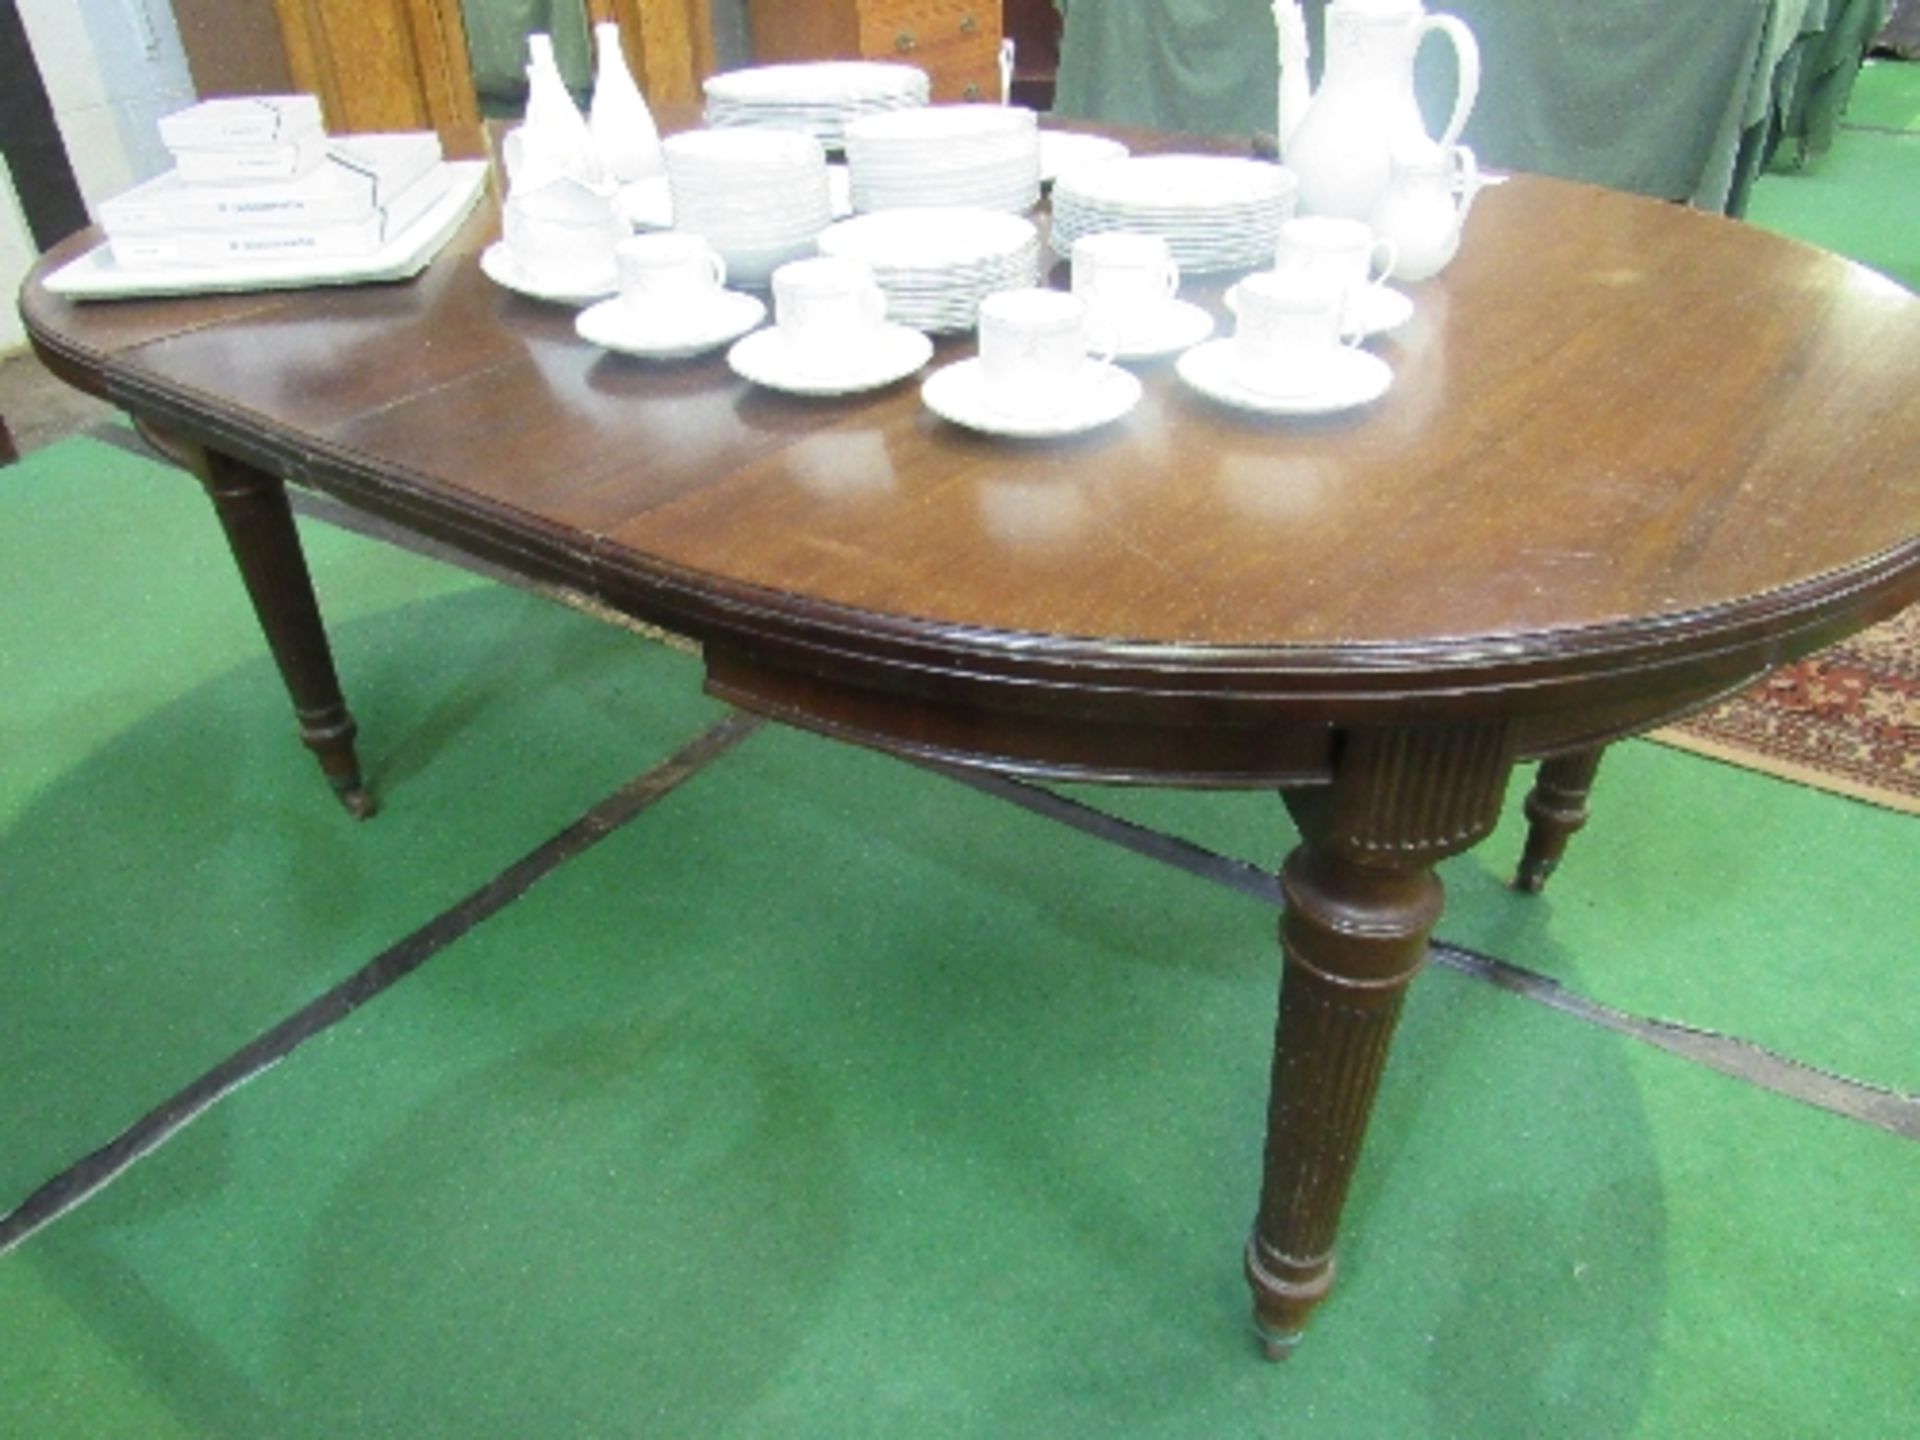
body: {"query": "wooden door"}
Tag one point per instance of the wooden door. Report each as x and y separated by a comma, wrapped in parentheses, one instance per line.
(669, 43)
(402, 64)
(385, 65)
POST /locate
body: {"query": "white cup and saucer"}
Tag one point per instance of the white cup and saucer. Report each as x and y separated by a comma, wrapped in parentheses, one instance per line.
(1131, 283)
(1043, 369)
(557, 244)
(830, 334)
(1291, 353)
(1350, 254)
(673, 300)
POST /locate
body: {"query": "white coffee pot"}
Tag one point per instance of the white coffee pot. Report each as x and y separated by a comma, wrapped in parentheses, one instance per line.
(1426, 205)
(1341, 139)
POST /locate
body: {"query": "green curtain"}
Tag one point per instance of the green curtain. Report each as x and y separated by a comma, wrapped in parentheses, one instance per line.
(1674, 98)
(497, 33)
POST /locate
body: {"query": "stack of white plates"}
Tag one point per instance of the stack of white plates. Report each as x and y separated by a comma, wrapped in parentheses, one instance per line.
(648, 204)
(819, 98)
(986, 157)
(758, 196)
(1216, 212)
(937, 265)
(1064, 150)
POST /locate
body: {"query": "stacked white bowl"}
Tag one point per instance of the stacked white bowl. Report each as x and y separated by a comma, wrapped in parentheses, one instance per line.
(758, 196)
(984, 157)
(818, 97)
(937, 265)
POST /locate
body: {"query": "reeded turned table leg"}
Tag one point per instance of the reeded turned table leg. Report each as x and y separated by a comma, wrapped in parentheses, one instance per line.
(1556, 807)
(253, 510)
(1361, 898)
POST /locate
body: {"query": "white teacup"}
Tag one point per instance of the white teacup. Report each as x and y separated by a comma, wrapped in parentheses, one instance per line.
(670, 271)
(829, 310)
(1123, 277)
(559, 251)
(1288, 324)
(1035, 348)
(1347, 252)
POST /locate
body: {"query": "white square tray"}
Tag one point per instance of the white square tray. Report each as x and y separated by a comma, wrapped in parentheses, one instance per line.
(94, 276)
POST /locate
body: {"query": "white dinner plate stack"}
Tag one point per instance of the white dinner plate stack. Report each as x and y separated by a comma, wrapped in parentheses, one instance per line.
(1064, 150)
(1216, 212)
(937, 265)
(985, 157)
(819, 97)
(760, 197)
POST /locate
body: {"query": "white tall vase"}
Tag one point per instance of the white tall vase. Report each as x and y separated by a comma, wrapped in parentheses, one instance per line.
(624, 134)
(554, 138)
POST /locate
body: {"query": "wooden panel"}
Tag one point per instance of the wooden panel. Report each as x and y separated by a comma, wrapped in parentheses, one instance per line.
(668, 43)
(385, 65)
(233, 48)
(1034, 27)
(804, 29)
(957, 42)
(900, 26)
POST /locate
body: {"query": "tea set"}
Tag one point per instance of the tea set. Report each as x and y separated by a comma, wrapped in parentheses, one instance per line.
(672, 302)
(1044, 369)
(1371, 199)
(830, 334)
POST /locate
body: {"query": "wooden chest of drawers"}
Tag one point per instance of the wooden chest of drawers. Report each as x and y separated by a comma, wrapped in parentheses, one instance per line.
(957, 42)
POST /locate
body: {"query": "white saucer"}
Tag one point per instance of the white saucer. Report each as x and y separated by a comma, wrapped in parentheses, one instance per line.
(767, 358)
(956, 393)
(1375, 311)
(503, 267)
(1380, 308)
(1169, 327)
(1349, 378)
(613, 325)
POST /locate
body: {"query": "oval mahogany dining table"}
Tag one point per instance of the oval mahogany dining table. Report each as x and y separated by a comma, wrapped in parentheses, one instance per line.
(1634, 456)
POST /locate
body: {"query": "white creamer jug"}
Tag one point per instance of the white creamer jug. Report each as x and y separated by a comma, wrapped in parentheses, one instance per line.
(1425, 208)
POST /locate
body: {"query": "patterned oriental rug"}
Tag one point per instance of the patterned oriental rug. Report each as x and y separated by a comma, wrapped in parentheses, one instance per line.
(1845, 720)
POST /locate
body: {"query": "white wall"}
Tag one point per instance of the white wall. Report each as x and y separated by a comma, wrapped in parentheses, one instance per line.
(112, 68)
(16, 258)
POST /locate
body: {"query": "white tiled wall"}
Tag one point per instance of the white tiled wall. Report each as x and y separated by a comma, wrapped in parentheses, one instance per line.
(112, 68)
(16, 258)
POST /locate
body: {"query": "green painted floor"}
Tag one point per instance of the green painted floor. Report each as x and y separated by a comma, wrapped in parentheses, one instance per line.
(831, 1098)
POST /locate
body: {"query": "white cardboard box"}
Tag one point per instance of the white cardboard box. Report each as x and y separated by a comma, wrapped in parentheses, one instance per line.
(224, 166)
(242, 121)
(361, 174)
(283, 242)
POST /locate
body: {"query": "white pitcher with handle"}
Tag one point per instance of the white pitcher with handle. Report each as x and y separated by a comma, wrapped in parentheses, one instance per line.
(1341, 139)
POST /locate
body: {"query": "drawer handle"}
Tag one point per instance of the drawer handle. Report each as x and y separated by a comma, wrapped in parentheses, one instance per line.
(968, 24)
(972, 92)
(905, 43)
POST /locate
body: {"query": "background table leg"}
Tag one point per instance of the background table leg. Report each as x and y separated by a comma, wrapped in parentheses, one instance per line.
(1556, 807)
(1361, 898)
(253, 510)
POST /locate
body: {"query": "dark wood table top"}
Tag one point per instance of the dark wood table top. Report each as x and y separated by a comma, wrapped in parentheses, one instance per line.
(1630, 449)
